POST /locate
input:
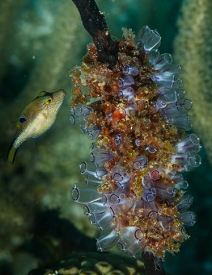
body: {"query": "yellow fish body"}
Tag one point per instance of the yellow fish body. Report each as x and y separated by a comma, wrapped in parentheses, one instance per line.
(36, 119)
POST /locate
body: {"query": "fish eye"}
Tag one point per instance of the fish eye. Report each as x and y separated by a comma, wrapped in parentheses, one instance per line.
(48, 100)
(22, 119)
(42, 93)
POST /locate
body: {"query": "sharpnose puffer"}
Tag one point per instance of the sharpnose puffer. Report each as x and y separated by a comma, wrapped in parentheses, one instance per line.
(36, 119)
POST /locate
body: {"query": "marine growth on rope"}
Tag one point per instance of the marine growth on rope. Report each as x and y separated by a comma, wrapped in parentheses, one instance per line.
(136, 114)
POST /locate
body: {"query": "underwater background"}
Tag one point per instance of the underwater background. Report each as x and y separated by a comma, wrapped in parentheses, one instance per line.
(40, 43)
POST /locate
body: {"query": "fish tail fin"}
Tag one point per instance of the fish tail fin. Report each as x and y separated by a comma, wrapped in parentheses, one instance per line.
(11, 153)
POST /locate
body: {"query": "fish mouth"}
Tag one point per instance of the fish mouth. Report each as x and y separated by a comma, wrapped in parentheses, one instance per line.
(58, 95)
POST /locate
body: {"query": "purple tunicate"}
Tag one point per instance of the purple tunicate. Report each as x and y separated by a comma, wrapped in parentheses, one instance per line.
(153, 214)
(138, 142)
(118, 139)
(127, 93)
(125, 81)
(165, 222)
(148, 196)
(151, 149)
(147, 182)
(120, 176)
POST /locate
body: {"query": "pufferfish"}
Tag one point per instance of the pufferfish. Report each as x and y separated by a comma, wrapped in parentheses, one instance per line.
(36, 118)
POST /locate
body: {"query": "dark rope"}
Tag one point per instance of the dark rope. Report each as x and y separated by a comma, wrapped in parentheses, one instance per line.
(152, 267)
(95, 24)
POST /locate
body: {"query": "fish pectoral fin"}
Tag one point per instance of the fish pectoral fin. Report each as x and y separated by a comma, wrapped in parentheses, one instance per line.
(11, 154)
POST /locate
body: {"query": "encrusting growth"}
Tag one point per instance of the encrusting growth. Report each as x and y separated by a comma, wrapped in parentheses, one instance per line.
(136, 114)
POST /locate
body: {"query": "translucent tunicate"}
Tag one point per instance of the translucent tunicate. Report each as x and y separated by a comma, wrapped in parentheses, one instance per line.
(169, 174)
(133, 238)
(121, 245)
(130, 69)
(93, 146)
(140, 162)
(188, 218)
(120, 208)
(99, 157)
(85, 195)
(92, 132)
(78, 119)
(182, 106)
(83, 110)
(167, 76)
(153, 56)
(104, 221)
(180, 182)
(108, 241)
(189, 144)
(147, 182)
(187, 160)
(92, 182)
(184, 203)
(165, 99)
(114, 199)
(163, 60)
(164, 191)
(171, 70)
(182, 122)
(91, 170)
(164, 79)
(149, 38)
(94, 207)
(80, 114)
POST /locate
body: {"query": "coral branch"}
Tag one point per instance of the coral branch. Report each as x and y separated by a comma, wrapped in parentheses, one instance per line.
(95, 24)
(194, 53)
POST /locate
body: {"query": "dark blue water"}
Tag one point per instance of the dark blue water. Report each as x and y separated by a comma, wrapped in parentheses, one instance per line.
(39, 44)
